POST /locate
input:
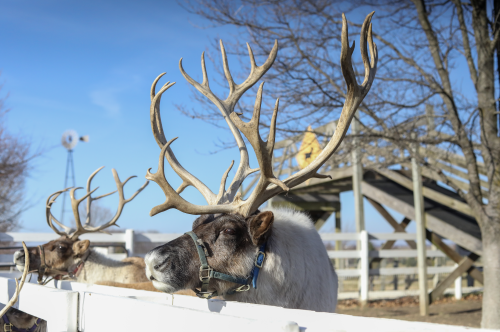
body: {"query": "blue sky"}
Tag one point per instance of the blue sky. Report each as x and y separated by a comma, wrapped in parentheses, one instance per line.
(88, 66)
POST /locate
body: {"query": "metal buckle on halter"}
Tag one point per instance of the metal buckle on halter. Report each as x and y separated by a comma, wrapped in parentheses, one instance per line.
(242, 288)
(205, 295)
(256, 263)
(208, 271)
(5, 326)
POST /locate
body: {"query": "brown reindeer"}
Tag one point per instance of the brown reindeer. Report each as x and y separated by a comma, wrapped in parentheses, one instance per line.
(232, 242)
(70, 257)
(12, 319)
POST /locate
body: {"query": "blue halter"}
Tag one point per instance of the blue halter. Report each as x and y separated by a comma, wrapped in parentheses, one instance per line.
(9, 327)
(207, 273)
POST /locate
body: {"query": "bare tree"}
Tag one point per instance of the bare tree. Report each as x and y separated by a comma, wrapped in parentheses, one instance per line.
(434, 55)
(99, 214)
(15, 164)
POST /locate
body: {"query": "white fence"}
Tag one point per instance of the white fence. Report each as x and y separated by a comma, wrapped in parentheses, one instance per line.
(364, 272)
(71, 306)
(129, 238)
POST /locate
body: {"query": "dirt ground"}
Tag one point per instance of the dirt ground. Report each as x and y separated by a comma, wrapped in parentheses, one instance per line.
(465, 312)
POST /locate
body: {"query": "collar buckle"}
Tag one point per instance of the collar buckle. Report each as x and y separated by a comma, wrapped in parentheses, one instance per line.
(7, 327)
(205, 295)
(205, 273)
(259, 260)
(243, 288)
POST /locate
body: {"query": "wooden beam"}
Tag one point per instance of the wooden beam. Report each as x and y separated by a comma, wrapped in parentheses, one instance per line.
(459, 183)
(453, 255)
(322, 220)
(458, 173)
(452, 158)
(418, 203)
(338, 244)
(308, 206)
(434, 224)
(427, 192)
(336, 174)
(464, 265)
(389, 244)
(398, 228)
(357, 178)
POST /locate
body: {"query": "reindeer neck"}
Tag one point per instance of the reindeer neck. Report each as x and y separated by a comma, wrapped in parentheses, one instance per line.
(288, 268)
(98, 267)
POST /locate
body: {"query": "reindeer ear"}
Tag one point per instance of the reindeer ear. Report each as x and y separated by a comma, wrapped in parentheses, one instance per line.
(80, 247)
(259, 227)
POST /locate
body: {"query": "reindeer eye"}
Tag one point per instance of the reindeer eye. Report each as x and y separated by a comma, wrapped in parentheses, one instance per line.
(229, 231)
(61, 248)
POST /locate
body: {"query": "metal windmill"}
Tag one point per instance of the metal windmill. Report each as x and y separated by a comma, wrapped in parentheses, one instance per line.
(69, 140)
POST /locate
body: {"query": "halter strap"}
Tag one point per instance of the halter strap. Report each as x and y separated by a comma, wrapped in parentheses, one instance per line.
(206, 272)
(8, 327)
(43, 269)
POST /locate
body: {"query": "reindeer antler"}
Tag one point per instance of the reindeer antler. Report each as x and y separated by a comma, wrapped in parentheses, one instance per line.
(268, 185)
(14, 298)
(75, 203)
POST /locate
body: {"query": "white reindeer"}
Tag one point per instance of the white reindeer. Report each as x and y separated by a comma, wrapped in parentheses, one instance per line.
(232, 241)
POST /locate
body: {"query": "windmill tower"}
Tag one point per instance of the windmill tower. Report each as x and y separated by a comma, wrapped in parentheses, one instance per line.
(69, 140)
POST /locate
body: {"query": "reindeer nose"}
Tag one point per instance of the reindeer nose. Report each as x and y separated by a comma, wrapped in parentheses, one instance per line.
(151, 278)
(19, 256)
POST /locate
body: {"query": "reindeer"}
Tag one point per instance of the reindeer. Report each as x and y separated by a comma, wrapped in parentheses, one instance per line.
(274, 256)
(16, 320)
(12, 319)
(70, 257)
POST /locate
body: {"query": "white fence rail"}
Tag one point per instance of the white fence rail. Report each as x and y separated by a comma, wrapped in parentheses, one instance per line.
(71, 306)
(129, 238)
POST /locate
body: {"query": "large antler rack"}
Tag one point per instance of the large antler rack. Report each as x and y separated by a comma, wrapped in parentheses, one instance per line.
(268, 185)
(75, 203)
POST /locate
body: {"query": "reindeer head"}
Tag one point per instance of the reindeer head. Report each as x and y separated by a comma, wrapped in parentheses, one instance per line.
(229, 229)
(230, 241)
(56, 258)
(64, 255)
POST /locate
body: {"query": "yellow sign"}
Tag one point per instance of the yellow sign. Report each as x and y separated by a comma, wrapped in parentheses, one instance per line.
(309, 149)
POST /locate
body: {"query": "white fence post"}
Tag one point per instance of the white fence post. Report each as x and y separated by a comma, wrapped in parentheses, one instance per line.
(364, 268)
(458, 287)
(129, 241)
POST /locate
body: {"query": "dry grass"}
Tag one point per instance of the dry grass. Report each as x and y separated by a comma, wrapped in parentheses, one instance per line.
(408, 301)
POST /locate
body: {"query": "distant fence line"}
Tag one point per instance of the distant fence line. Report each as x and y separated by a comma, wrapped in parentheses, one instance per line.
(363, 272)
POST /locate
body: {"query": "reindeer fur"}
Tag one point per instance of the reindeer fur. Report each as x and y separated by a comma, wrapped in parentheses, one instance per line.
(297, 271)
(98, 267)
(22, 320)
